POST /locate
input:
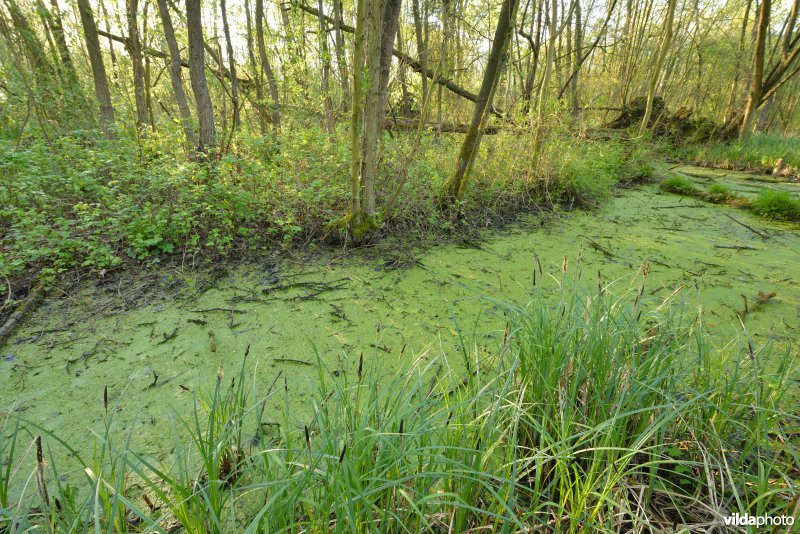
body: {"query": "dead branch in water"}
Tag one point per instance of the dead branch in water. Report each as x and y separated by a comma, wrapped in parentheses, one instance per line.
(30, 303)
(757, 232)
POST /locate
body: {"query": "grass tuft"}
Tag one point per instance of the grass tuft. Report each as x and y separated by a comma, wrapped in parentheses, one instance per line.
(719, 193)
(779, 205)
(680, 185)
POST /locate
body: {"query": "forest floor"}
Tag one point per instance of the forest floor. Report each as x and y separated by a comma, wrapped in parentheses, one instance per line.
(154, 338)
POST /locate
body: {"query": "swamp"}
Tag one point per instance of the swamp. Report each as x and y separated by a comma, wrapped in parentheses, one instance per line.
(386, 266)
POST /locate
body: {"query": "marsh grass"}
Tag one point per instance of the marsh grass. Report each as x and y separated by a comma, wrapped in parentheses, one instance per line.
(759, 152)
(598, 413)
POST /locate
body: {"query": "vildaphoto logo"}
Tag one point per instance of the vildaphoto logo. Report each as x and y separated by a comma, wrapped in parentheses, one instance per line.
(746, 520)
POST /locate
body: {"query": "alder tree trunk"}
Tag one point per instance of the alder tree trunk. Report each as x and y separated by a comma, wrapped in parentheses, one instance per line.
(756, 88)
(658, 66)
(197, 64)
(455, 186)
(232, 66)
(135, 52)
(176, 76)
(101, 90)
(266, 67)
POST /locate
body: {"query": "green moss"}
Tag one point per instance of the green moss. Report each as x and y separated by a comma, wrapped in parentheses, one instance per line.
(779, 205)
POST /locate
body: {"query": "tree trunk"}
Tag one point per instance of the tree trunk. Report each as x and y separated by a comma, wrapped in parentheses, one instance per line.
(730, 113)
(325, 60)
(111, 51)
(455, 186)
(401, 72)
(57, 29)
(417, 67)
(175, 75)
(388, 30)
(577, 65)
(293, 49)
(656, 70)
(258, 76)
(544, 90)
(341, 58)
(756, 87)
(788, 32)
(232, 65)
(98, 69)
(356, 219)
(135, 53)
(372, 103)
(205, 110)
(266, 67)
(32, 46)
(148, 80)
(422, 51)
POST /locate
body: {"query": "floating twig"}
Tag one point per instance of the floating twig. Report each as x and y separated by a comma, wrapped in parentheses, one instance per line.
(168, 337)
(737, 247)
(760, 300)
(757, 232)
(291, 360)
(212, 341)
(384, 348)
(226, 310)
(598, 247)
(30, 303)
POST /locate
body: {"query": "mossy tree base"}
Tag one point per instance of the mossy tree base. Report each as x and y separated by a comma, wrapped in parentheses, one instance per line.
(359, 225)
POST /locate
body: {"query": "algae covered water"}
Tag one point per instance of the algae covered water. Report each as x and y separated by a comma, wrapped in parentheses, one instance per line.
(390, 306)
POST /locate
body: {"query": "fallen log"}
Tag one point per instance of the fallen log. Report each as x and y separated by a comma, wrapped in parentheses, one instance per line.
(30, 303)
(399, 123)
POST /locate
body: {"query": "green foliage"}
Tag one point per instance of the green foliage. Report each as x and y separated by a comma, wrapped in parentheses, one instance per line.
(680, 185)
(588, 395)
(95, 205)
(589, 172)
(779, 205)
(637, 165)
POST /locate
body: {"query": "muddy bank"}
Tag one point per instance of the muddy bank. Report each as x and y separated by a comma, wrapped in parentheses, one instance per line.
(389, 305)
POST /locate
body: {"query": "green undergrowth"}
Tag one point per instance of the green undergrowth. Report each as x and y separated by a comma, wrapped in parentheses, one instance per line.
(758, 153)
(598, 413)
(88, 205)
